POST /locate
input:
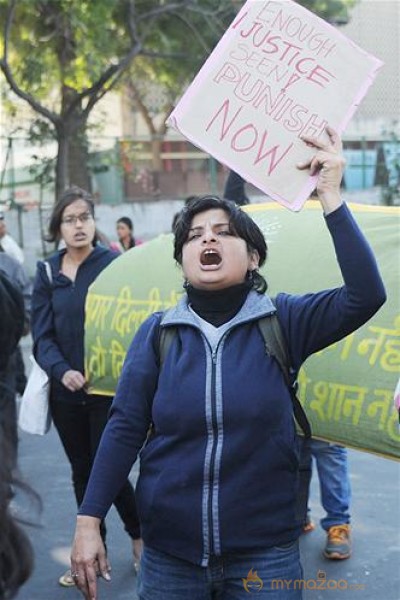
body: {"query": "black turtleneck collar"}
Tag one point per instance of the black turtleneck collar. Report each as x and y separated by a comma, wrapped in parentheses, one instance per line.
(218, 306)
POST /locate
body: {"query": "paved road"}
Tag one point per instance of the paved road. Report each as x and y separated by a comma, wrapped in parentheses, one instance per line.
(372, 573)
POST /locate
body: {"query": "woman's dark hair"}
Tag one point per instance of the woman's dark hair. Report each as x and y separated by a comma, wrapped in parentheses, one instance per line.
(69, 196)
(240, 222)
(126, 221)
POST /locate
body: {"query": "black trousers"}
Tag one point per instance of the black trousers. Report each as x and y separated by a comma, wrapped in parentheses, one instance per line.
(80, 427)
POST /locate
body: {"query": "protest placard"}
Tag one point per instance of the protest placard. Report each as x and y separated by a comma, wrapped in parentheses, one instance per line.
(278, 73)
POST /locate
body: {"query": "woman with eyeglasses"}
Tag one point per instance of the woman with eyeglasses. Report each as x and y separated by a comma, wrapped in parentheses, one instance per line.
(58, 304)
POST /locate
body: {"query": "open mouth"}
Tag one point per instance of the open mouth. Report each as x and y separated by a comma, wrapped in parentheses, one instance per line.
(210, 257)
(80, 236)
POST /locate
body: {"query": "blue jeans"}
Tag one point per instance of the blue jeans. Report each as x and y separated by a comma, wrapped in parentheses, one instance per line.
(335, 492)
(274, 574)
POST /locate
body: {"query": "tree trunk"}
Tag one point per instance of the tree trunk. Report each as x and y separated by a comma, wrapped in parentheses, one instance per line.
(78, 162)
(62, 180)
(72, 160)
(156, 161)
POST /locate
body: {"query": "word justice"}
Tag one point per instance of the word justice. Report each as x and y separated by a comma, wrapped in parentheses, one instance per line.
(304, 68)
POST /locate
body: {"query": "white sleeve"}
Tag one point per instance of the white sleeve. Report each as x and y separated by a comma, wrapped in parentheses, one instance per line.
(11, 247)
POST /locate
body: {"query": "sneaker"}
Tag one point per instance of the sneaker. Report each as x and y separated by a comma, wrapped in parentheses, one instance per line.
(338, 544)
(67, 580)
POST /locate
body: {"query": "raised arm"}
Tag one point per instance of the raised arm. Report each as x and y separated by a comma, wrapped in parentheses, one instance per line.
(314, 321)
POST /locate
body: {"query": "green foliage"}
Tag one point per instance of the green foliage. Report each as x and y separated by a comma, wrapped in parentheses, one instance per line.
(333, 11)
(58, 43)
(64, 55)
(54, 43)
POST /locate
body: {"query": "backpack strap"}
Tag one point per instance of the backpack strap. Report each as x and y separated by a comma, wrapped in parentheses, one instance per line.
(165, 339)
(275, 346)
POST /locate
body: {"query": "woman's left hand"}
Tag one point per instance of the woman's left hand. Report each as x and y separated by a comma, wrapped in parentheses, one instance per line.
(329, 163)
(73, 380)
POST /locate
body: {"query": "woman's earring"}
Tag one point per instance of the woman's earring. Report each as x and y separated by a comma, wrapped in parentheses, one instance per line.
(250, 275)
(186, 284)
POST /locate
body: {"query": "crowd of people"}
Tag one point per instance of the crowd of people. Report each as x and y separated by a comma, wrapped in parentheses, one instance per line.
(200, 417)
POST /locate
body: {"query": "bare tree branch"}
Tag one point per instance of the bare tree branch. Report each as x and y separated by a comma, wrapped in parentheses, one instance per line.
(166, 8)
(194, 30)
(95, 92)
(94, 98)
(167, 111)
(135, 95)
(132, 29)
(174, 55)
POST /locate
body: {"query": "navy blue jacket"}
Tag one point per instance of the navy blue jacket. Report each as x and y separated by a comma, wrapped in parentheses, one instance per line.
(219, 472)
(58, 317)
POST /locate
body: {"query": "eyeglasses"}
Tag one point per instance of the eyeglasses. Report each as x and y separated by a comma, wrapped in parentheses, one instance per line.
(73, 219)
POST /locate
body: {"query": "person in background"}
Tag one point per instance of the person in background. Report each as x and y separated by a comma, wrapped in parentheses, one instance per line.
(58, 312)
(335, 492)
(10, 247)
(235, 189)
(126, 239)
(8, 243)
(16, 554)
(219, 461)
(17, 276)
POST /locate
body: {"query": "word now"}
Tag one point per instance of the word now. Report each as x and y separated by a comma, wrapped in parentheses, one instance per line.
(245, 137)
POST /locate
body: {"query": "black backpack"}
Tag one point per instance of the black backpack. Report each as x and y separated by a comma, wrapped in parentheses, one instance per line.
(12, 318)
(275, 346)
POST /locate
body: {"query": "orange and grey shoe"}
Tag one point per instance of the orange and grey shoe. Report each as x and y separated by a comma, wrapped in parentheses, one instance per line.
(338, 542)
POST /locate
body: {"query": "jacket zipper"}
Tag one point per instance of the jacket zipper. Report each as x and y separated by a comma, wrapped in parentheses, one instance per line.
(214, 424)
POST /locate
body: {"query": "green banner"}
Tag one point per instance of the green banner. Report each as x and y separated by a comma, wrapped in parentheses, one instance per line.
(347, 389)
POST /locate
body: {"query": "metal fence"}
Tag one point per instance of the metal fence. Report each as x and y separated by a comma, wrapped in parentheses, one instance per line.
(123, 171)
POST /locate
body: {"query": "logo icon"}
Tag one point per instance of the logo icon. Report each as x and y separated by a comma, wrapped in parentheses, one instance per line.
(252, 583)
